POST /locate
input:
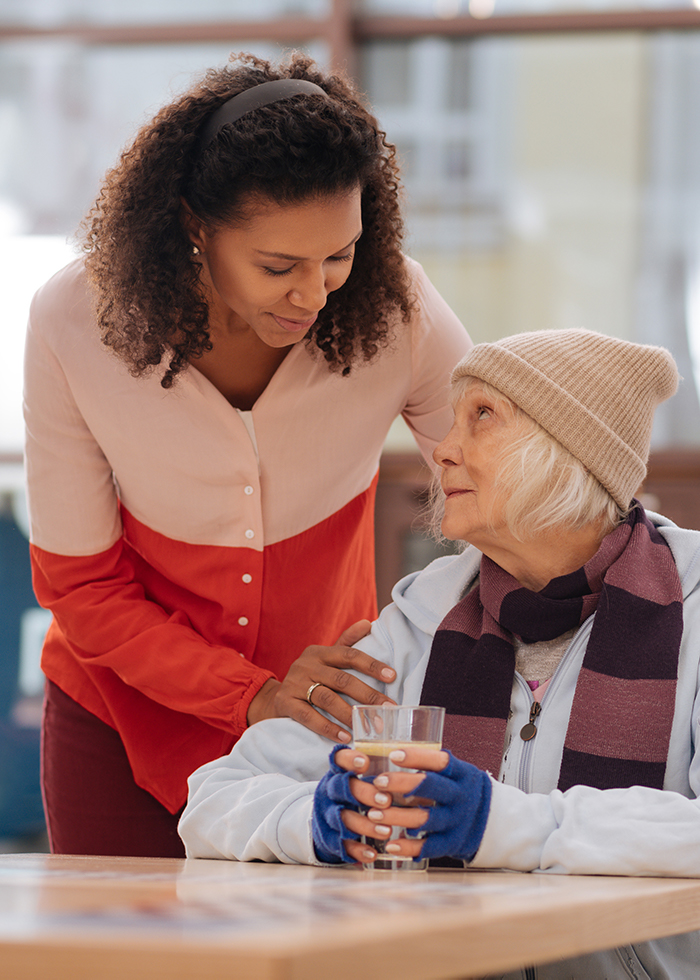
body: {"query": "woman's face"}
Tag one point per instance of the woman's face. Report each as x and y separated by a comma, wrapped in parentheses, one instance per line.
(483, 428)
(272, 274)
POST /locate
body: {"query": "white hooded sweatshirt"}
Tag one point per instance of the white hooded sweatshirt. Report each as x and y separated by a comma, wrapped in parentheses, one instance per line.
(256, 803)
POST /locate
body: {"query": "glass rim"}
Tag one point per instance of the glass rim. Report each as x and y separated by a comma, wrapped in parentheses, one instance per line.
(396, 707)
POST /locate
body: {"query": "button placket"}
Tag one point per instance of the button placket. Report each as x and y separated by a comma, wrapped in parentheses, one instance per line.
(253, 518)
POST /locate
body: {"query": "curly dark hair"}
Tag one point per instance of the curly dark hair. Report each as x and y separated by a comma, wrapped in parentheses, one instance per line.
(139, 258)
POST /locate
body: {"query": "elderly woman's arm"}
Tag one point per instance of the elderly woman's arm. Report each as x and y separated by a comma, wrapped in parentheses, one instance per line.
(255, 803)
(635, 831)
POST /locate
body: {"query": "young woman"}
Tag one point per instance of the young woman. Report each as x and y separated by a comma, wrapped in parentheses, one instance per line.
(207, 395)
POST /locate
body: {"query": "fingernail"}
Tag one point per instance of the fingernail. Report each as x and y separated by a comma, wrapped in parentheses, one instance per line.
(392, 848)
(387, 704)
(381, 829)
(368, 855)
(343, 737)
(375, 814)
(398, 755)
(388, 674)
(381, 799)
(358, 762)
(381, 781)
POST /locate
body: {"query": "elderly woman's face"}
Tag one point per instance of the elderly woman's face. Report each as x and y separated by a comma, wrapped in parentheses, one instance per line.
(482, 430)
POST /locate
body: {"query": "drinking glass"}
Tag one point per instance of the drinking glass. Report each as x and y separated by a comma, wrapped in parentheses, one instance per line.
(377, 731)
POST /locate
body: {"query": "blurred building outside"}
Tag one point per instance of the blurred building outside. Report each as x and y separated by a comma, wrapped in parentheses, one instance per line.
(552, 180)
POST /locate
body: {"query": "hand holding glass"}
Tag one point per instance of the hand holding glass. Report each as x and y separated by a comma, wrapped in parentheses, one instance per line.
(377, 731)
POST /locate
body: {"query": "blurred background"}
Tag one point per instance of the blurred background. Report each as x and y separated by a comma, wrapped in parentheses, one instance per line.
(551, 161)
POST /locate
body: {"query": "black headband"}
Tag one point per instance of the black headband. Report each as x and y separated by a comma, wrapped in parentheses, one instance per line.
(255, 98)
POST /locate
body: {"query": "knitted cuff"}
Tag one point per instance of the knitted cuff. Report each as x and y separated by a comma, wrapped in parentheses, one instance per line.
(457, 821)
(332, 796)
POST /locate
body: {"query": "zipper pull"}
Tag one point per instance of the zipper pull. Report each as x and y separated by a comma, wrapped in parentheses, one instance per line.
(529, 731)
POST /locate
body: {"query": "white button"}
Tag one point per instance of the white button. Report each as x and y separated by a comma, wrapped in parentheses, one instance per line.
(242, 620)
(247, 578)
(249, 533)
(249, 490)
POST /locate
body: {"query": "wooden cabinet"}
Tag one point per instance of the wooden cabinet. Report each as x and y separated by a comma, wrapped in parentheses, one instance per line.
(402, 544)
(672, 486)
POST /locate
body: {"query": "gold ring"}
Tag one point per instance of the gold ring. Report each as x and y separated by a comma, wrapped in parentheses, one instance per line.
(311, 691)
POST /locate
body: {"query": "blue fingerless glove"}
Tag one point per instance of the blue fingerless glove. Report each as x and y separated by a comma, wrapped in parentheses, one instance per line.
(331, 797)
(456, 825)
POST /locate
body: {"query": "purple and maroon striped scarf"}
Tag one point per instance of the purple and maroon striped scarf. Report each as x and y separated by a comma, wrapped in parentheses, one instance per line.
(620, 721)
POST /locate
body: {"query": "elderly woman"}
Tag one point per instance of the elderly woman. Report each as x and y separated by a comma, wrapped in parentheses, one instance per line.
(564, 643)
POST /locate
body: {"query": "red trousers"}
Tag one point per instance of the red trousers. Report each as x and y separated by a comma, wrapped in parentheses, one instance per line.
(91, 802)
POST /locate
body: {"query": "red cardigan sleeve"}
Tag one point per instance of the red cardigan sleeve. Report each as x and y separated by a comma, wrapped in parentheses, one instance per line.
(105, 620)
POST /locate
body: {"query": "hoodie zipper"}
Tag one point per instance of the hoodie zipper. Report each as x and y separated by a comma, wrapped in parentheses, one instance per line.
(536, 707)
(528, 732)
(525, 750)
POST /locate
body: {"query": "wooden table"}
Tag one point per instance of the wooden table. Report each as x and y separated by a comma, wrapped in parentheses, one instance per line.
(82, 918)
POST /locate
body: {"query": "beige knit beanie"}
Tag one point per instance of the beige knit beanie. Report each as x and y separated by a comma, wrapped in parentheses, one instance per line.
(595, 394)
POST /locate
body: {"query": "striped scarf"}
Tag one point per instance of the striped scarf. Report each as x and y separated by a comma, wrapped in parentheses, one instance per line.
(621, 716)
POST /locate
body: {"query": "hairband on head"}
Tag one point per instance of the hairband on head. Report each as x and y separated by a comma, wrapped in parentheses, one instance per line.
(255, 98)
